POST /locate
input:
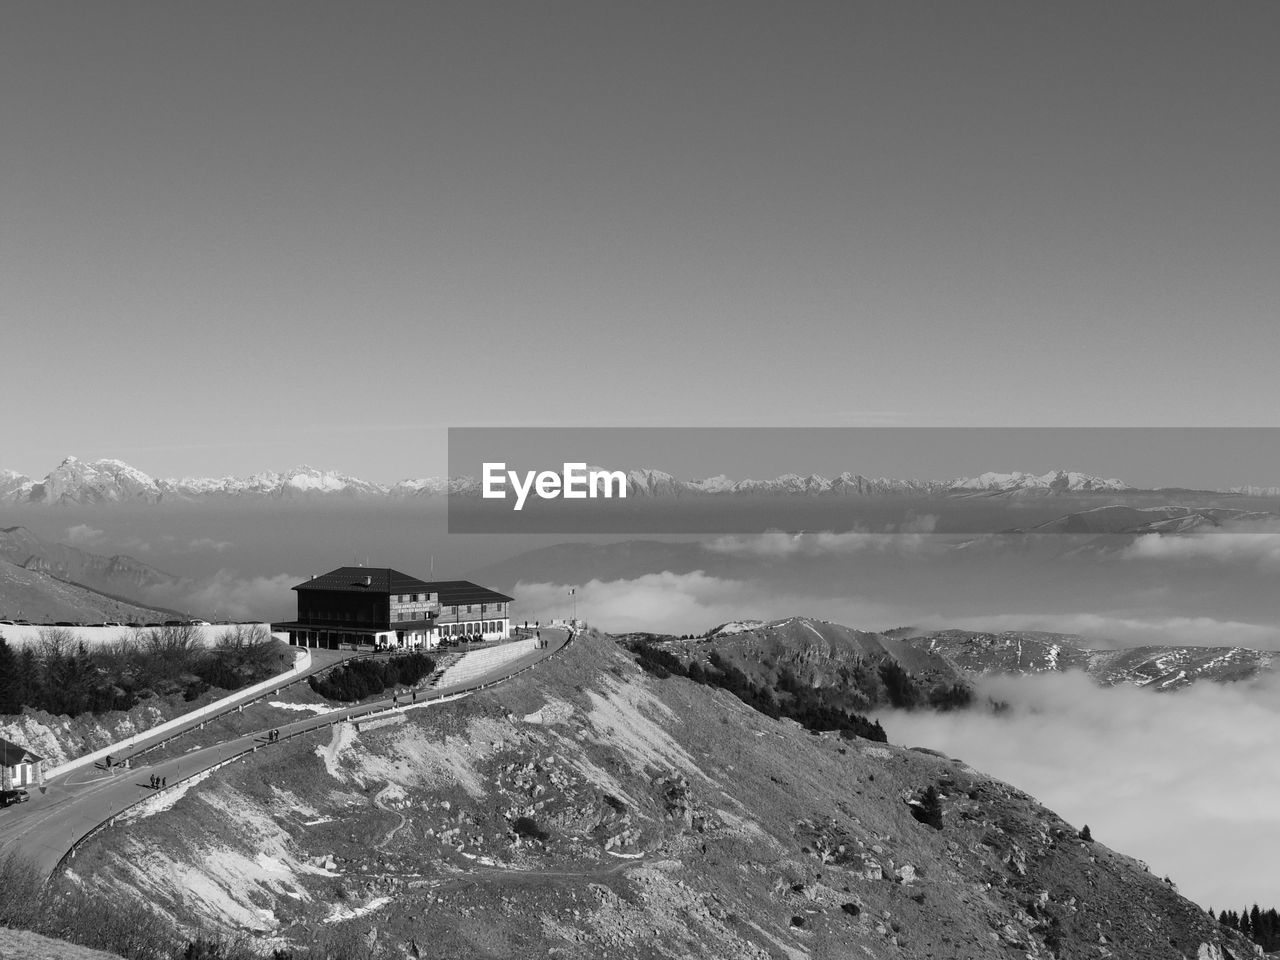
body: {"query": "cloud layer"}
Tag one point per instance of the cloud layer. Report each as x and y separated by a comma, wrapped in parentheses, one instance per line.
(1185, 781)
(687, 603)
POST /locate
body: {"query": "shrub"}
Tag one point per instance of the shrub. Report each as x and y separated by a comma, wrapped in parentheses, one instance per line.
(528, 828)
(363, 678)
(929, 809)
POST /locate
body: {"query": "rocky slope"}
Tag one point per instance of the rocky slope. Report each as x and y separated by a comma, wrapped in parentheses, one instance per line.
(840, 661)
(588, 810)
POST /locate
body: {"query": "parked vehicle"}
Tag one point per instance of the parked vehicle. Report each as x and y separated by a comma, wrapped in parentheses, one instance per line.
(9, 797)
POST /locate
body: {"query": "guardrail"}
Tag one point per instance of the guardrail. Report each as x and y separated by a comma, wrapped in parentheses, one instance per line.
(257, 699)
(301, 663)
(373, 713)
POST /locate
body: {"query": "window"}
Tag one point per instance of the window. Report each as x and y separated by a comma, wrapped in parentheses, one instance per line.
(484, 608)
(468, 608)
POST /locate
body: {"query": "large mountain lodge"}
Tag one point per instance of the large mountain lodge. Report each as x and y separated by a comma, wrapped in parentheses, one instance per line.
(384, 607)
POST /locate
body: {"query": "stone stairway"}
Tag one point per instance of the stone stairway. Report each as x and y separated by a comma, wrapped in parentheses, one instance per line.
(476, 662)
(443, 662)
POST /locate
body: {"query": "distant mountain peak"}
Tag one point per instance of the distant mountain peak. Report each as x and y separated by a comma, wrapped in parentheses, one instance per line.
(109, 480)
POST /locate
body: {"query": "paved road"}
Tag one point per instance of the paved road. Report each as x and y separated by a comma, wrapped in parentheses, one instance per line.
(46, 828)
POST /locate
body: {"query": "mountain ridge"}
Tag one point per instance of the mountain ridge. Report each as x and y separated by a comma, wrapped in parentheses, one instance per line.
(108, 480)
(821, 652)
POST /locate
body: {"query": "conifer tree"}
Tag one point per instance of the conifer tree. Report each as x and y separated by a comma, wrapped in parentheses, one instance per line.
(10, 700)
(930, 809)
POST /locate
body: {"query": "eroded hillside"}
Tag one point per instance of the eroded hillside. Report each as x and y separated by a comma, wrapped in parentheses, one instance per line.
(587, 809)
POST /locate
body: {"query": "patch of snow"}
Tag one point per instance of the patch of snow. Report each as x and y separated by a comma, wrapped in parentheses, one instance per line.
(736, 626)
(341, 913)
(301, 707)
(816, 631)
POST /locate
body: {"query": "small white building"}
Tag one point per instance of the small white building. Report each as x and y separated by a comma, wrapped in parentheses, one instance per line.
(19, 767)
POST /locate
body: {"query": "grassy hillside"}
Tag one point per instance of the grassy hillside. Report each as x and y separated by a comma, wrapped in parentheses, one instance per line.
(24, 945)
(38, 597)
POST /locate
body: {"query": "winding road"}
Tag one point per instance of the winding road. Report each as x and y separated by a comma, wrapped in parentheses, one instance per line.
(48, 827)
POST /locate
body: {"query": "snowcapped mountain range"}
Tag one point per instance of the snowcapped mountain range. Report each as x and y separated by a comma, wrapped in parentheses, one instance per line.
(113, 481)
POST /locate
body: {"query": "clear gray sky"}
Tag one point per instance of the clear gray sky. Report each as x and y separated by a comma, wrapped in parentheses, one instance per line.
(242, 235)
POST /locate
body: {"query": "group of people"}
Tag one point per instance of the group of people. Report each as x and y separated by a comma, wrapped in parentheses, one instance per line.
(273, 736)
(159, 783)
(543, 644)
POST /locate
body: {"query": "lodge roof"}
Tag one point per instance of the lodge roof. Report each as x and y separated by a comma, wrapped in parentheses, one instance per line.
(384, 580)
(12, 754)
(454, 592)
(365, 580)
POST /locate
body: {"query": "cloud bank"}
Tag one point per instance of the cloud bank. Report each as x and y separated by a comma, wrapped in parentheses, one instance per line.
(686, 603)
(692, 602)
(1185, 781)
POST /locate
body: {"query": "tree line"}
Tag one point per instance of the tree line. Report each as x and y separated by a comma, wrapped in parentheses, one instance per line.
(803, 704)
(63, 676)
(363, 678)
(1260, 926)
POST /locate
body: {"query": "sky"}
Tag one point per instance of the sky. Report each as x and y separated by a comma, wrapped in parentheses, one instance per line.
(242, 236)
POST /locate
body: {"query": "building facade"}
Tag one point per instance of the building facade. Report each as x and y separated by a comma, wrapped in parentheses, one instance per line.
(387, 608)
(19, 767)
